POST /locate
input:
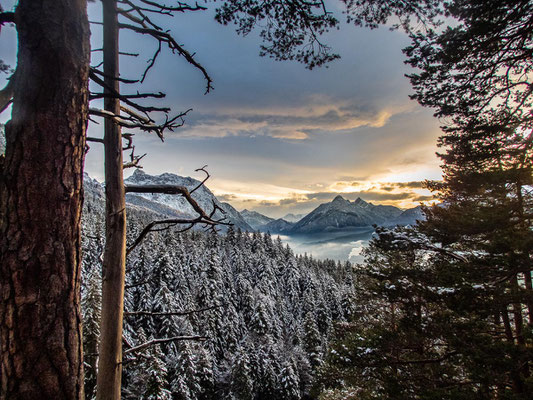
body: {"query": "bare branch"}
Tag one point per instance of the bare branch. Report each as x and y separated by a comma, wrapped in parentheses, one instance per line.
(182, 7)
(153, 342)
(134, 120)
(113, 92)
(171, 314)
(169, 222)
(93, 139)
(7, 18)
(138, 95)
(124, 53)
(169, 189)
(205, 179)
(97, 71)
(167, 38)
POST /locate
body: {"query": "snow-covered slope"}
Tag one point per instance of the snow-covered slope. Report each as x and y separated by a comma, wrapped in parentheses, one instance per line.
(255, 219)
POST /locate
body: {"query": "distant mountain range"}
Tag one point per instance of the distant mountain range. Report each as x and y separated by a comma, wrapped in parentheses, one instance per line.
(338, 215)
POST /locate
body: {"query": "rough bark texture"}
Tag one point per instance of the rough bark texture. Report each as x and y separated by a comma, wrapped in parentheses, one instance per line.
(113, 274)
(40, 205)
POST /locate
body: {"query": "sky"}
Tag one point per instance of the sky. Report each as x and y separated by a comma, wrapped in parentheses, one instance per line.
(278, 138)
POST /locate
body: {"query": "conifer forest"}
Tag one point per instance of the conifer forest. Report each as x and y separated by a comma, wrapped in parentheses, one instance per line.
(153, 288)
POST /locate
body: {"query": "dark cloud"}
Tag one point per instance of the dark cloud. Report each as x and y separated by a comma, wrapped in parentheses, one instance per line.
(367, 195)
(412, 185)
(424, 198)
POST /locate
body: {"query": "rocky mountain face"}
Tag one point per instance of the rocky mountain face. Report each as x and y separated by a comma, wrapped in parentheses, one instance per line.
(342, 214)
(277, 226)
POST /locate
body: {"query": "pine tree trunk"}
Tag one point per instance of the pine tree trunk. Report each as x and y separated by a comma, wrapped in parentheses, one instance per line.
(41, 197)
(113, 274)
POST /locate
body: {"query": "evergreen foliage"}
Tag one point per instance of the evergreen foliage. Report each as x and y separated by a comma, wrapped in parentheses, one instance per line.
(444, 309)
(267, 314)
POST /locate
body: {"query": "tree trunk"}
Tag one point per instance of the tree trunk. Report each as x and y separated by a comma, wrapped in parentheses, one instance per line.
(110, 349)
(41, 195)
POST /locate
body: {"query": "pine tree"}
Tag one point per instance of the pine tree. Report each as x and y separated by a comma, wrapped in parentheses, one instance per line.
(289, 382)
(241, 380)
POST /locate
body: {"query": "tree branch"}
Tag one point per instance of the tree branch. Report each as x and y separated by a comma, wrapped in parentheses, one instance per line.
(170, 314)
(7, 18)
(153, 342)
(165, 37)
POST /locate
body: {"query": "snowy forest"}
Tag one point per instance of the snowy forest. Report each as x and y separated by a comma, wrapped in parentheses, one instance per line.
(261, 315)
(103, 301)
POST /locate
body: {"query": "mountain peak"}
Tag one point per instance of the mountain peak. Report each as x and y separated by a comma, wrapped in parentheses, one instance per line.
(338, 198)
(138, 172)
(359, 201)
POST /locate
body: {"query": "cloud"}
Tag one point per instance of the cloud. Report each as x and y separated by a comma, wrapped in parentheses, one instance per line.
(294, 123)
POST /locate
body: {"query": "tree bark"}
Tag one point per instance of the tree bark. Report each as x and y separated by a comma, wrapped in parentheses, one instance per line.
(113, 273)
(41, 195)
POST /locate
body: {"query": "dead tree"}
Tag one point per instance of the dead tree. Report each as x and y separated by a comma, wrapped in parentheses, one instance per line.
(41, 196)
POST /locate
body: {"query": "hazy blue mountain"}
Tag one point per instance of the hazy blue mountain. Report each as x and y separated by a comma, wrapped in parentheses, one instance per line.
(293, 217)
(277, 226)
(255, 219)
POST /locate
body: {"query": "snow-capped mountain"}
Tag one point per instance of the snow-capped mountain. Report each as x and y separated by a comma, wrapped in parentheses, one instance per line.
(255, 219)
(293, 217)
(343, 214)
(167, 205)
(176, 205)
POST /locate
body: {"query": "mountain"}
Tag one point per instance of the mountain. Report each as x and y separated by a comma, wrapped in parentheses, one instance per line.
(409, 217)
(277, 226)
(342, 214)
(293, 217)
(167, 205)
(255, 219)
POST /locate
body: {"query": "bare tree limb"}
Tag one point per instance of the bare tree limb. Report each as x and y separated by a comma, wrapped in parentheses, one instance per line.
(170, 314)
(7, 18)
(205, 179)
(165, 37)
(153, 342)
(98, 72)
(93, 139)
(138, 95)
